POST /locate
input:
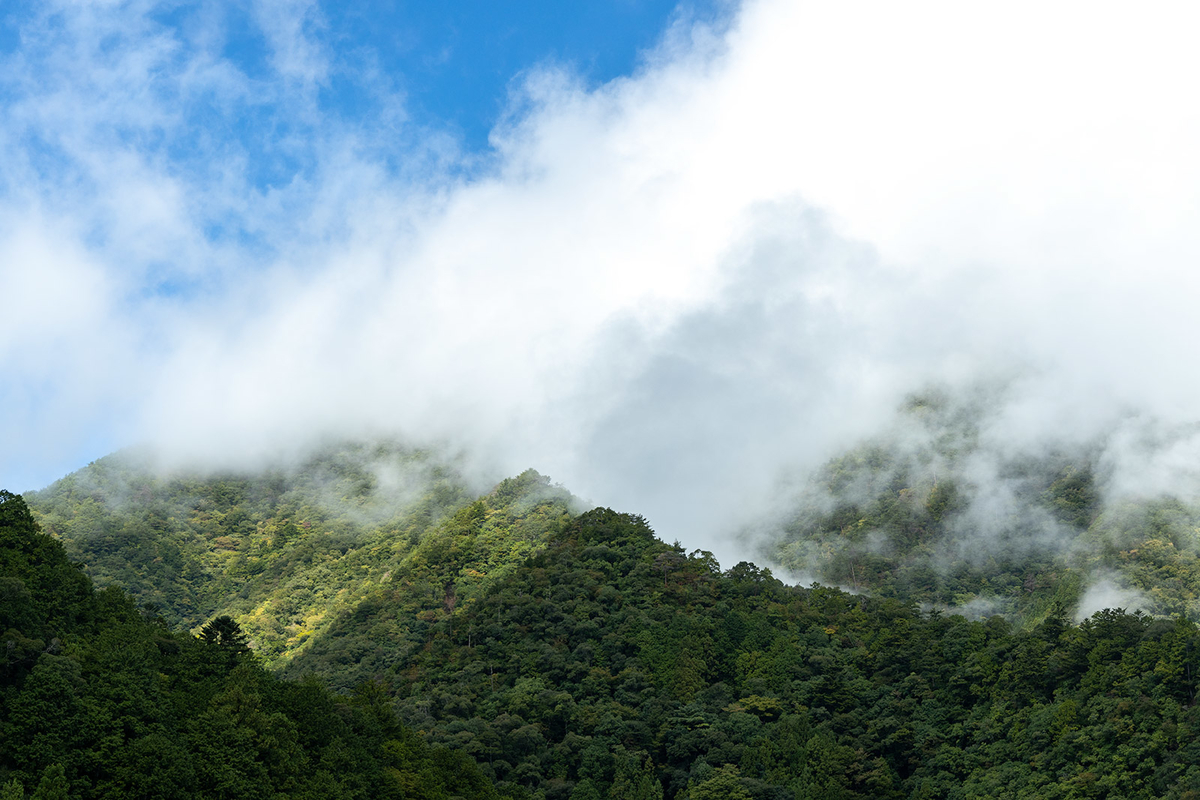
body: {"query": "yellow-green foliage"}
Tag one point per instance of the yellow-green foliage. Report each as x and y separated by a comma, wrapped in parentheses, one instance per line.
(437, 580)
(282, 551)
(111, 703)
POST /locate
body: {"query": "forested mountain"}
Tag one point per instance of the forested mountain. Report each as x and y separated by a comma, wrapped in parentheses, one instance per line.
(568, 656)
(282, 550)
(615, 665)
(99, 699)
(484, 543)
(935, 512)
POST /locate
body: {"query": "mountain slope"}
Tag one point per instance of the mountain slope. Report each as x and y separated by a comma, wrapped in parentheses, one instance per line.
(454, 563)
(942, 513)
(98, 700)
(614, 665)
(281, 550)
(576, 656)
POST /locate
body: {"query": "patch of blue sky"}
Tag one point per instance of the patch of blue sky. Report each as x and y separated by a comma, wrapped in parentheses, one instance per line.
(10, 33)
(44, 157)
(166, 284)
(94, 432)
(394, 71)
(13, 15)
(455, 61)
(245, 43)
(393, 76)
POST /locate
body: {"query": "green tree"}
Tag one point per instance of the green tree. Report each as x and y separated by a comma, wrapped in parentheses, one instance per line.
(224, 632)
(586, 790)
(634, 782)
(53, 785)
(723, 784)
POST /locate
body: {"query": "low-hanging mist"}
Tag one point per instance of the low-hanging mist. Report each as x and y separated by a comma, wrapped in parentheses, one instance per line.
(946, 507)
(669, 292)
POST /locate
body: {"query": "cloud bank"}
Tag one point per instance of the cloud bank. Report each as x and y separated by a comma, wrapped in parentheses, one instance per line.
(664, 291)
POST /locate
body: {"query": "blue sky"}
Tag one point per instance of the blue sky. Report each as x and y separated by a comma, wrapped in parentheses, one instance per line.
(455, 61)
(664, 254)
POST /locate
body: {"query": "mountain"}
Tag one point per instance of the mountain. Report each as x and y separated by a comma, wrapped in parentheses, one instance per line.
(482, 544)
(612, 664)
(933, 512)
(280, 549)
(573, 655)
(941, 512)
(99, 699)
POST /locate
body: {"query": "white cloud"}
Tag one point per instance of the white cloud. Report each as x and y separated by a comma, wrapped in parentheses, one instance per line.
(665, 290)
(1106, 592)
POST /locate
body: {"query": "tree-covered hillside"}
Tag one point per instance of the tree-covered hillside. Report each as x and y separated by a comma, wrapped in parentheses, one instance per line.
(615, 665)
(99, 699)
(576, 656)
(453, 564)
(600, 662)
(932, 513)
(282, 550)
(940, 513)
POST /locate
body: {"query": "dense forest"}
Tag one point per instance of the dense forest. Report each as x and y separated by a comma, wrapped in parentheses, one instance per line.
(367, 624)
(615, 665)
(282, 549)
(102, 699)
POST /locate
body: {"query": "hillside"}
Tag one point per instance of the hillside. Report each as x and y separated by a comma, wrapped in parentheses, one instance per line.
(576, 656)
(292, 555)
(99, 699)
(938, 512)
(930, 512)
(482, 544)
(281, 550)
(615, 665)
